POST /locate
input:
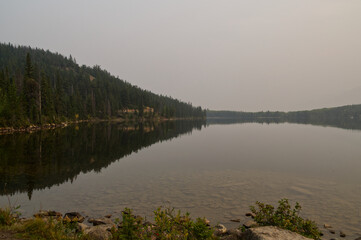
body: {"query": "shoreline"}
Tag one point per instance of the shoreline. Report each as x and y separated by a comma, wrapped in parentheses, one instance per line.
(113, 227)
(48, 126)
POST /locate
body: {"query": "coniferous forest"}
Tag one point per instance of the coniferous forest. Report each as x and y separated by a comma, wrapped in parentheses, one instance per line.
(39, 87)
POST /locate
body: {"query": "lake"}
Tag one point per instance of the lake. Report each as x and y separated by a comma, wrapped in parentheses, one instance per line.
(215, 169)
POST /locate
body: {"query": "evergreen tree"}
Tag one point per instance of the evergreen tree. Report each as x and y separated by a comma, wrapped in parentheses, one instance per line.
(31, 92)
(47, 102)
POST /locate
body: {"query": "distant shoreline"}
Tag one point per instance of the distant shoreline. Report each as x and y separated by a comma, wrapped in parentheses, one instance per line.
(48, 126)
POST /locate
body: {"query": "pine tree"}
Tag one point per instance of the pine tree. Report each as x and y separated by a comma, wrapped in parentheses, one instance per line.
(31, 92)
(47, 98)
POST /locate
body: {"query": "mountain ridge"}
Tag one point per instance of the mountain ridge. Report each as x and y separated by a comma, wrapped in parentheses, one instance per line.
(38, 86)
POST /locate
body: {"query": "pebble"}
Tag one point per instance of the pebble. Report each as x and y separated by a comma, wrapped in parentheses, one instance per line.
(220, 229)
(207, 222)
(342, 234)
(332, 231)
(327, 225)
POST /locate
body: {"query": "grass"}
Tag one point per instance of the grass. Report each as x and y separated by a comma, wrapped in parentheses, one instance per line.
(7, 216)
(37, 228)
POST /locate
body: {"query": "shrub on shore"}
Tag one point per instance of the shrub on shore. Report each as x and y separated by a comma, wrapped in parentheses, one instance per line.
(168, 224)
(7, 217)
(285, 217)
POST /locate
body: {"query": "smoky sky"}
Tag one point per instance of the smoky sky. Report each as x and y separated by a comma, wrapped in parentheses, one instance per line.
(248, 55)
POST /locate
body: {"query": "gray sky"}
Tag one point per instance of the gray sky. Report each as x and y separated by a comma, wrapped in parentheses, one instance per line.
(245, 55)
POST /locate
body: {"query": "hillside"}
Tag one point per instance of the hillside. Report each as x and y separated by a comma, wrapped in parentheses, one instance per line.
(349, 111)
(38, 86)
(348, 117)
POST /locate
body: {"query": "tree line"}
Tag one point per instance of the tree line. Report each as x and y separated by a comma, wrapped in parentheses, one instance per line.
(348, 117)
(38, 86)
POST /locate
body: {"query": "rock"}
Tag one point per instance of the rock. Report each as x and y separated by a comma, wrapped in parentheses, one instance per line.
(46, 214)
(251, 214)
(327, 225)
(232, 234)
(108, 216)
(235, 220)
(54, 214)
(250, 224)
(342, 234)
(24, 220)
(332, 231)
(271, 233)
(219, 229)
(82, 227)
(230, 237)
(41, 214)
(207, 222)
(73, 217)
(101, 221)
(98, 233)
(359, 238)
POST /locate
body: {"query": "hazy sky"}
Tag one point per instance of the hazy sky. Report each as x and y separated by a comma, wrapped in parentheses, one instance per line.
(221, 54)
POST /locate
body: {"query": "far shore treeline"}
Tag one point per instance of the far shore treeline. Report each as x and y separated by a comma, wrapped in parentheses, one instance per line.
(348, 117)
(38, 87)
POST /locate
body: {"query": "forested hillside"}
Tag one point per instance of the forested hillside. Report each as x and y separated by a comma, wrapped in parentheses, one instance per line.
(348, 117)
(337, 113)
(38, 86)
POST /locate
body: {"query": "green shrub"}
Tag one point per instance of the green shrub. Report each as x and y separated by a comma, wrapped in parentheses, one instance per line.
(168, 225)
(285, 217)
(174, 225)
(131, 227)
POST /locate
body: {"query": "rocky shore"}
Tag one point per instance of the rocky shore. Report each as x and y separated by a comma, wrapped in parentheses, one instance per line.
(103, 228)
(31, 128)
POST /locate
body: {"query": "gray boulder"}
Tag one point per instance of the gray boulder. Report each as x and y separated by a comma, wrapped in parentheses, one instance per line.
(271, 233)
(98, 233)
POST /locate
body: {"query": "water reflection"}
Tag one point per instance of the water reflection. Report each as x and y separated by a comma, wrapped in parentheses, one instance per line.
(345, 123)
(43, 159)
(217, 172)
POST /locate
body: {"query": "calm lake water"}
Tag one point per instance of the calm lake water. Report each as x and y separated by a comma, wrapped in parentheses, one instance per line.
(213, 170)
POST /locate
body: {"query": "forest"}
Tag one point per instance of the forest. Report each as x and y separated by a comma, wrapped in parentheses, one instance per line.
(39, 87)
(348, 117)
